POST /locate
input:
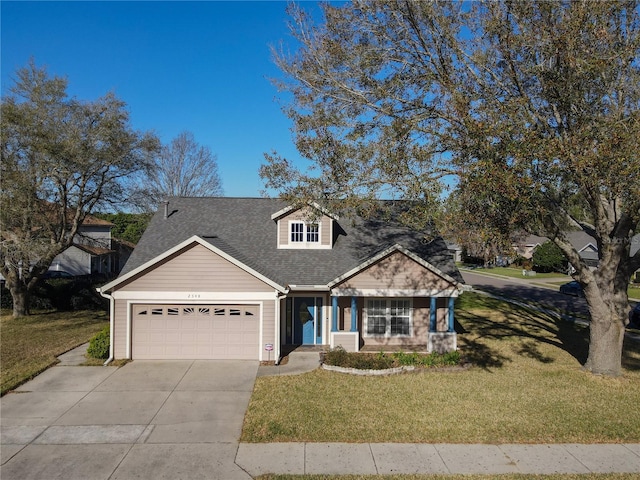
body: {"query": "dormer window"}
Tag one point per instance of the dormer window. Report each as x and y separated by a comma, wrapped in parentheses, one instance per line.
(303, 228)
(313, 231)
(304, 232)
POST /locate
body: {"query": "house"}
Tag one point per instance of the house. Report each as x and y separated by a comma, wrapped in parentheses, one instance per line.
(91, 252)
(455, 250)
(585, 244)
(525, 247)
(244, 278)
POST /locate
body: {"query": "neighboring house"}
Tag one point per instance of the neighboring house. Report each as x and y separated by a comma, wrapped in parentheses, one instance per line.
(122, 251)
(586, 246)
(94, 251)
(455, 251)
(242, 278)
(584, 243)
(525, 247)
(91, 252)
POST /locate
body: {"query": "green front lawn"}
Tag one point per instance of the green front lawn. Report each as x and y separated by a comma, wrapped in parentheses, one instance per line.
(526, 386)
(29, 345)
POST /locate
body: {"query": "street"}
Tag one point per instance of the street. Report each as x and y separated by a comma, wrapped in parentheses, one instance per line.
(527, 291)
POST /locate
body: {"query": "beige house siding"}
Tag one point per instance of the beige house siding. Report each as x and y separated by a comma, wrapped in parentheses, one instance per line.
(196, 269)
(193, 269)
(303, 214)
(120, 329)
(344, 313)
(268, 325)
(396, 271)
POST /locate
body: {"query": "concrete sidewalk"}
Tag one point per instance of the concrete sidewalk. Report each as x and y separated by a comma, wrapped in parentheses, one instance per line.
(297, 362)
(395, 458)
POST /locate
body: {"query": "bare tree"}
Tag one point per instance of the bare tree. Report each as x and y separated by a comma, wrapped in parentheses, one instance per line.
(61, 159)
(183, 168)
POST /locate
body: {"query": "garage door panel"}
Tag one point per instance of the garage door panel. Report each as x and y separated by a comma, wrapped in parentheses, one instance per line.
(195, 331)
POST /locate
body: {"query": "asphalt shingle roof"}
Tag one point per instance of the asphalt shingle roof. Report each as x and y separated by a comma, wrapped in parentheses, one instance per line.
(243, 228)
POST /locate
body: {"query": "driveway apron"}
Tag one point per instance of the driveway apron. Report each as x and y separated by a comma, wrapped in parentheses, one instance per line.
(147, 419)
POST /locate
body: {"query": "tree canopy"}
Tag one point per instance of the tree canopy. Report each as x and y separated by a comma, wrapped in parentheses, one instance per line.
(61, 159)
(182, 168)
(529, 110)
(127, 226)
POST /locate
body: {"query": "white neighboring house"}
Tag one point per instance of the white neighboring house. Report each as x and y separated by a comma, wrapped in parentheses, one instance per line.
(92, 250)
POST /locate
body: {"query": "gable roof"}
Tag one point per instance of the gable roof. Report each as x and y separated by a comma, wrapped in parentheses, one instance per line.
(188, 242)
(244, 230)
(92, 250)
(291, 208)
(91, 220)
(395, 248)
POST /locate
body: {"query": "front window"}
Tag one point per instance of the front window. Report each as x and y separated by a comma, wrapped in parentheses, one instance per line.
(313, 233)
(301, 232)
(388, 317)
(297, 232)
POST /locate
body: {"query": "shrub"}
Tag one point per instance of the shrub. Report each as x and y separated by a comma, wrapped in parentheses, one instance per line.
(549, 258)
(335, 356)
(380, 361)
(99, 345)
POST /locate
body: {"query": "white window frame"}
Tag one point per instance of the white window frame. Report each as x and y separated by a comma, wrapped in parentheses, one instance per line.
(305, 233)
(387, 309)
(312, 232)
(300, 233)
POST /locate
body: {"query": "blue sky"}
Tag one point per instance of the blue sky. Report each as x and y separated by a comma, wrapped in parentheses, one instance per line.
(197, 66)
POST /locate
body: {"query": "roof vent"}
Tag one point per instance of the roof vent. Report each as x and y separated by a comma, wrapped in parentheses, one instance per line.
(166, 209)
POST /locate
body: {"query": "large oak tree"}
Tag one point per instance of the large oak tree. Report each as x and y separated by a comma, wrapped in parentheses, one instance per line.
(531, 106)
(61, 159)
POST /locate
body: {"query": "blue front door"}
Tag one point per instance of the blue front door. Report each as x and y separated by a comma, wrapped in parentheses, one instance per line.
(307, 324)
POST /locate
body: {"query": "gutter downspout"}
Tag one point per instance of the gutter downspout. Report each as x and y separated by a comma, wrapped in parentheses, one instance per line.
(278, 339)
(111, 322)
(278, 313)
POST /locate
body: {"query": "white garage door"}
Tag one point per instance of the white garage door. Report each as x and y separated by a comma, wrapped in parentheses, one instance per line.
(195, 332)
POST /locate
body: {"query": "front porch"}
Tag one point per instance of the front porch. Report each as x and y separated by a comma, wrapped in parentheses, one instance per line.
(371, 323)
(393, 323)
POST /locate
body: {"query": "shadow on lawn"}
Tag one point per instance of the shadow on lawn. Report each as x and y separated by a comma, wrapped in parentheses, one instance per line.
(531, 328)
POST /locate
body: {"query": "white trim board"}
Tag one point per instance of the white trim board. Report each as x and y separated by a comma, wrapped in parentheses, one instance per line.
(191, 240)
(192, 297)
(384, 293)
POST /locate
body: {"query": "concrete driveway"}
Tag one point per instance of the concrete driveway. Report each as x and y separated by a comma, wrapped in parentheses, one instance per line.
(147, 419)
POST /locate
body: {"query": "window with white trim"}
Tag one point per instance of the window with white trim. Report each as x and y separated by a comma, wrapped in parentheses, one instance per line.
(297, 231)
(313, 232)
(304, 232)
(388, 317)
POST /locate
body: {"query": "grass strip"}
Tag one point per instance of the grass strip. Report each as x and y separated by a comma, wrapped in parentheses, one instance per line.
(29, 345)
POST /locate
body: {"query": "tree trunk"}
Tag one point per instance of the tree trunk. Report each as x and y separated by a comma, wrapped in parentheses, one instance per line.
(605, 343)
(20, 296)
